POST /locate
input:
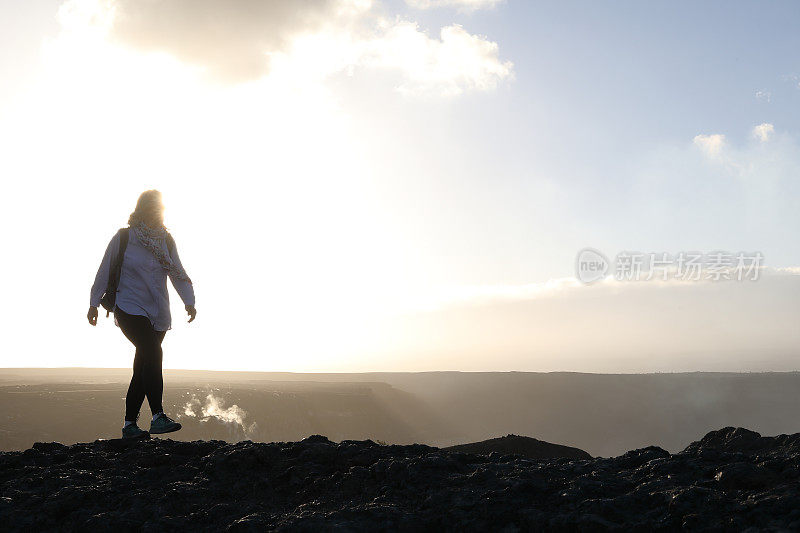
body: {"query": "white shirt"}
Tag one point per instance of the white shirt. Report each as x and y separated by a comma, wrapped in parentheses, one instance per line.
(142, 286)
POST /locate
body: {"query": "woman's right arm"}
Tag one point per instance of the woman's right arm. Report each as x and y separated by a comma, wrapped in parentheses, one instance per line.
(101, 279)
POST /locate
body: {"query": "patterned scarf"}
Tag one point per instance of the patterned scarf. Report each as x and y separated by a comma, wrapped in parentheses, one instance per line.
(154, 240)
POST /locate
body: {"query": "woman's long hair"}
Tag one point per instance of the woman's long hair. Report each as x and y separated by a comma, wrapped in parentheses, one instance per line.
(149, 209)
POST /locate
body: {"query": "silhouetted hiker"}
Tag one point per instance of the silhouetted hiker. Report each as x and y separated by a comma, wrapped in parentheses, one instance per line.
(132, 283)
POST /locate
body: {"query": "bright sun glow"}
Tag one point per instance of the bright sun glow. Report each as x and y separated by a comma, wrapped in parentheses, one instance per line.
(261, 180)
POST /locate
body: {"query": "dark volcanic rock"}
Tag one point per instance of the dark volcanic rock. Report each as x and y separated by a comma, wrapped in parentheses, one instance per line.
(733, 440)
(732, 479)
(524, 446)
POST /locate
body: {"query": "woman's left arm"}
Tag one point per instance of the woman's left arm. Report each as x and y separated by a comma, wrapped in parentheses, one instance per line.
(185, 288)
(101, 279)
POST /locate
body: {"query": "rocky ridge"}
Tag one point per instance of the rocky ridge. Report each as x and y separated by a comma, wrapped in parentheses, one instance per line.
(527, 447)
(732, 479)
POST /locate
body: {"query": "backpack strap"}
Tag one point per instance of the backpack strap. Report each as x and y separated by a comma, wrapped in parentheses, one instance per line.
(124, 233)
(116, 268)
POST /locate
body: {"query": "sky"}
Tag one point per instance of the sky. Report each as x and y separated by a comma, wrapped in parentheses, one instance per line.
(404, 185)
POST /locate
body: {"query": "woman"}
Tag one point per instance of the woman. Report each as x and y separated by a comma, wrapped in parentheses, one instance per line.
(142, 305)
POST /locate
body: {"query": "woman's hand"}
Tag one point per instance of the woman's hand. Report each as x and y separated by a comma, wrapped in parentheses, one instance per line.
(191, 311)
(92, 316)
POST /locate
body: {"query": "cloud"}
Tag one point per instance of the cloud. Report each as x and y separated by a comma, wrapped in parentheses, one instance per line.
(468, 5)
(764, 96)
(711, 145)
(794, 79)
(763, 132)
(763, 162)
(236, 41)
(457, 62)
(613, 326)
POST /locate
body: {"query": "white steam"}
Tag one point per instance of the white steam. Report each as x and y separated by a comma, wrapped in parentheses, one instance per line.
(232, 417)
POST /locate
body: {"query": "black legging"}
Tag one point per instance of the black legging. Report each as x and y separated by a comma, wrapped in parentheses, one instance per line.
(147, 379)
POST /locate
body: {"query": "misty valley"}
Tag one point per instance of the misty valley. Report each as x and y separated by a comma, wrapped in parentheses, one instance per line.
(603, 414)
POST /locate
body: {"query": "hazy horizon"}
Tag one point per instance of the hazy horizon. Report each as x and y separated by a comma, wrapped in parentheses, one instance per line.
(124, 370)
(603, 414)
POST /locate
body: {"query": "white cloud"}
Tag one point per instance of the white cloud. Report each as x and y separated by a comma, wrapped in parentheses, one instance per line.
(764, 96)
(468, 5)
(712, 144)
(234, 39)
(611, 326)
(448, 66)
(762, 132)
(794, 79)
(242, 40)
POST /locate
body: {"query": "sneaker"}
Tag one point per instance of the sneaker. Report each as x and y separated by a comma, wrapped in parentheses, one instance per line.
(163, 424)
(132, 431)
